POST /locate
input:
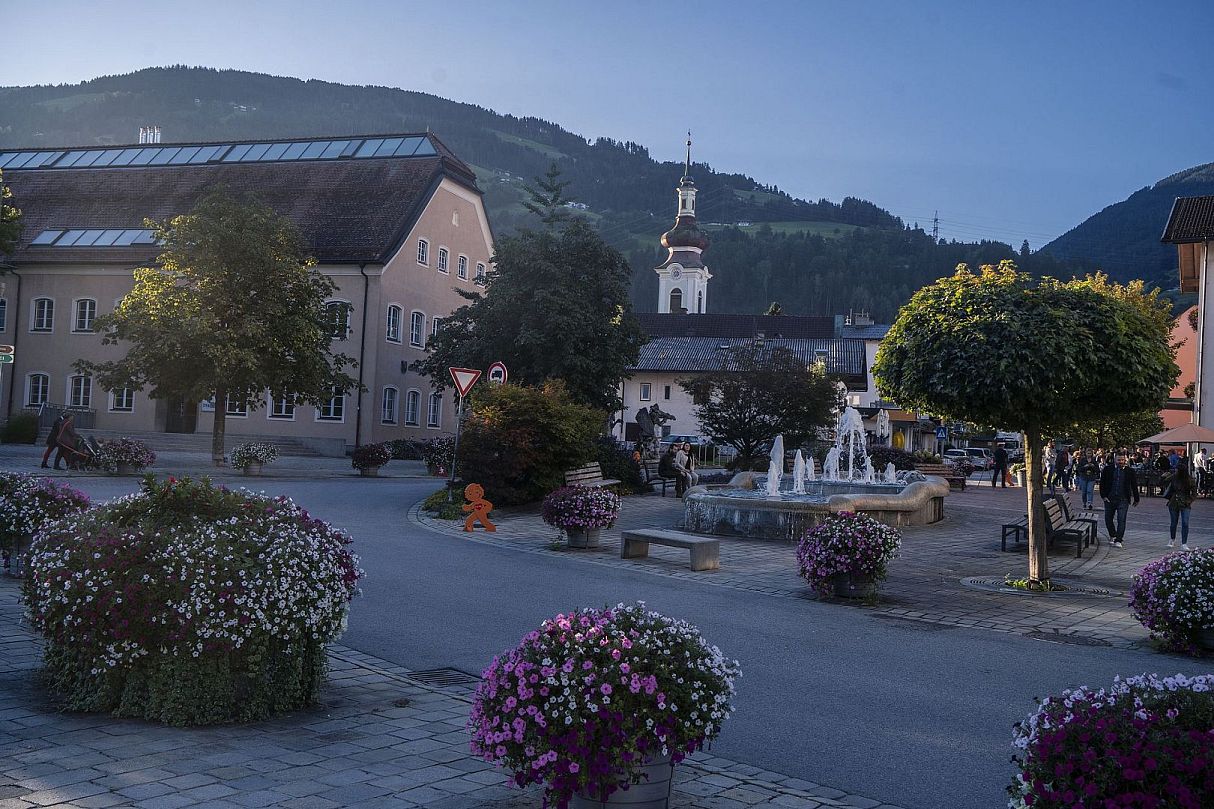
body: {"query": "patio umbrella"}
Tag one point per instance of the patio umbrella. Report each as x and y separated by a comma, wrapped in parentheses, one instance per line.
(1184, 434)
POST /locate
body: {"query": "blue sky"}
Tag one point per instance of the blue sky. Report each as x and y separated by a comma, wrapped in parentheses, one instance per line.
(1014, 120)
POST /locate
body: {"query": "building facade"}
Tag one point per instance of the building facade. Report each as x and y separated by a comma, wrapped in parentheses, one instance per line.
(396, 221)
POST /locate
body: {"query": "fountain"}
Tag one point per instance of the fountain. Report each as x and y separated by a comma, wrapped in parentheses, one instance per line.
(775, 469)
(798, 474)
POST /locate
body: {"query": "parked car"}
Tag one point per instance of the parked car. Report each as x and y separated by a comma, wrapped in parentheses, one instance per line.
(954, 455)
(981, 457)
(695, 440)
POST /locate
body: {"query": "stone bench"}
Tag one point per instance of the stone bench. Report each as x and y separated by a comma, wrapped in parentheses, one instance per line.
(705, 551)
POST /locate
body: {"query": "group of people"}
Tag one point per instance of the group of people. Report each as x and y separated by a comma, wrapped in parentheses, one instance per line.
(679, 462)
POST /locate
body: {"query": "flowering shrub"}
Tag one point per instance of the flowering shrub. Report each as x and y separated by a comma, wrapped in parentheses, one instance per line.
(585, 699)
(28, 503)
(846, 543)
(126, 451)
(438, 452)
(581, 507)
(251, 452)
(1174, 597)
(1144, 742)
(370, 455)
(189, 604)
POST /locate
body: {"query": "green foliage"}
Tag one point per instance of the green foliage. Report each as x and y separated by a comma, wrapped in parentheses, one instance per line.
(438, 452)
(555, 307)
(10, 220)
(548, 200)
(444, 507)
(883, 455)
(1124, 430)
(405, 449)
(21, 428)
(518, 441)
(369, 456)
(617, 464)
(759, 393)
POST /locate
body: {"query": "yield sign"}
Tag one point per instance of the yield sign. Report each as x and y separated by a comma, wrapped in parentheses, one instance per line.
(464, 378)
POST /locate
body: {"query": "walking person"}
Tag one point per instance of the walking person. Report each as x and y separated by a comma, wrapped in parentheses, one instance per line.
(1181, 492)
(1087, 471)
(67, 444)
(52, 438)
(1118, 486)
(1000, 473)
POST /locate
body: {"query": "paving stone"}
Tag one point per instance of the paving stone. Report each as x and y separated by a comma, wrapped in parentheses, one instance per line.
(141, 791)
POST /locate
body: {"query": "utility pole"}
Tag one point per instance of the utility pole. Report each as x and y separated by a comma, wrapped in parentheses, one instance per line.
(936, 227)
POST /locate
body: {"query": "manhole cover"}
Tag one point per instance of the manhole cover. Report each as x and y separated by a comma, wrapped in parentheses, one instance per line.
(993, 585)
(1074, 640)
(446, 678)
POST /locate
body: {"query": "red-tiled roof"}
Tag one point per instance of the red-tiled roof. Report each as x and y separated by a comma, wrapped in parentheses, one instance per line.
(1191, 220)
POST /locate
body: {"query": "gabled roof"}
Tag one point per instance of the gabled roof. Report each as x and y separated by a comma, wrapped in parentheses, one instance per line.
(876, 331)
(698, 354)
(348, 209)
(739, 326)
(1191, 220)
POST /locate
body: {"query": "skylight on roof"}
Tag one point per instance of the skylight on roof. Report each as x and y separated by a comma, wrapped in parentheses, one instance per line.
(110, 237)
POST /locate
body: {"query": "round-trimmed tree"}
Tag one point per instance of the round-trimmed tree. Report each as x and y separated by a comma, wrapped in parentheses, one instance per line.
(1032, 354)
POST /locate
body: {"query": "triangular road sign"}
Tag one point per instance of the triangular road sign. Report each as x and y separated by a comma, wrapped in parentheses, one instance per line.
(464, 378)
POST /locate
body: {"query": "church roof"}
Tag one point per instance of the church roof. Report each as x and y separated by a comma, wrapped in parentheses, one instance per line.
(844, 358)
(740, 326)
(1191, 220)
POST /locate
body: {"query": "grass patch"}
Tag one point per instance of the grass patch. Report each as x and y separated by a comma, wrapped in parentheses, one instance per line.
(544, 149)
(437, 505)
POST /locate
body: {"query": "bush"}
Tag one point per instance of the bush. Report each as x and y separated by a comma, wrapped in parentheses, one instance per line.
(617, 464)
(189, 604)
(585, 699)
(438, 452)
(21, 428)
(518, 441)
(127, 451)
(1146, 741)
(1174, 598)
(29, 503)
(581, 507)
(405, 449)
(442, 508)
(846, 544)
(369, 456)
(900, 458)
(251, 452)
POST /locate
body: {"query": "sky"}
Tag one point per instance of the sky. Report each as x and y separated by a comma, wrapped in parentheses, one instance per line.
(1013, 121)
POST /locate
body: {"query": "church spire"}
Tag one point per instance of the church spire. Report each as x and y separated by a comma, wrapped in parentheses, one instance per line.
(687, 165)
(683, 277)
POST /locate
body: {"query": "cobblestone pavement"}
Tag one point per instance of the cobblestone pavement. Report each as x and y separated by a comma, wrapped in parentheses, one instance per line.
(378, 738)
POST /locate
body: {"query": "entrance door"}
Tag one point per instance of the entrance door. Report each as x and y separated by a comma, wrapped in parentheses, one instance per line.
(182, 416)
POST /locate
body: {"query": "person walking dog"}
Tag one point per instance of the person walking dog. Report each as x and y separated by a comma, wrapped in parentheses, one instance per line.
(1118, 486)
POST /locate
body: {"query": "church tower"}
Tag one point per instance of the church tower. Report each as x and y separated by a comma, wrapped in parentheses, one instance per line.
(683, 277)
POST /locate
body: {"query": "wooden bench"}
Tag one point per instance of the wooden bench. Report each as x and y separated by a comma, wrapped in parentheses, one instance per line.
(1064, 500)
(955, 479)
(589, 475)
(1057, 526)
(1015, 530)
(705, 551)
(653, 478)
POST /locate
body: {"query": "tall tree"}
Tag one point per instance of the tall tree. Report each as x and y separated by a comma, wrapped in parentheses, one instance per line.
(10, 220)
(548, 199)
(233, 308)
(1123, 430)
(758, 393)
(1032, 354)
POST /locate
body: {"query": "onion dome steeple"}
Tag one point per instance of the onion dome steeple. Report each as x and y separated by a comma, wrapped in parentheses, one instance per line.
(685, 233)
(683, 277)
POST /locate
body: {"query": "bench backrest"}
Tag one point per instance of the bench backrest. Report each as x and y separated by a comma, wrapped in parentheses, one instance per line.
(1064, 501)
(1054, 516)
(941, 469)
(589, 472)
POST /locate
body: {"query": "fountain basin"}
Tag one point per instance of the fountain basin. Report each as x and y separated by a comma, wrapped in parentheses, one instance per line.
(740, 509)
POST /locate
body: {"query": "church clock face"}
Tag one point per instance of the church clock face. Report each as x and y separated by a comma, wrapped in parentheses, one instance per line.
(676, 273)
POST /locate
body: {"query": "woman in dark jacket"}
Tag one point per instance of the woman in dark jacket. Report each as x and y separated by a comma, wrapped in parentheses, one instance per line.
(1182, 491)
(1087, 472)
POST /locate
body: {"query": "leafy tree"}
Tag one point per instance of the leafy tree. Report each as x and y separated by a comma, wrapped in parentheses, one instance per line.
(761, 392)
(1037, 355)
(10, 220)
(555, 307)
(1124, 430)
(232, 308)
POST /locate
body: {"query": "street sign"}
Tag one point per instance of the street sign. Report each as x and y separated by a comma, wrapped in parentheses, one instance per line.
(4, 358)
(941, 433)
(497, 373)
(464, 379)
(6, 350)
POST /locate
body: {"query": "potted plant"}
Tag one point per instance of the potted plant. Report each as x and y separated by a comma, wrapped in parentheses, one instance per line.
(251, 456)
(600, 701)
(28, 503)
(1174, 598)
(1151, 737)
(582, 512)
(368, 458)
(1017, 472)
(847, 554)
(126, 456)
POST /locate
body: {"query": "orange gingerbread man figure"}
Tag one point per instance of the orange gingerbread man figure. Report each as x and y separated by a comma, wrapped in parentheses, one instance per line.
(479, 506)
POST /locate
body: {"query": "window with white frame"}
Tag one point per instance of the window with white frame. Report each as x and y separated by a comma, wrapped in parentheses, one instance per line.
(435, 324)
(282, 408)
(480, 271)
(387, 410)
(417, 329)
(413, 405)
(442, 260)
(86, 310)
(392, 328)
(3, 314)
(44, 315)
(337, 319)
(237, 406)
(434, 413)
(462, 267)
(81, 391)
(122, 400)
(37, 389)
(423, 251)
(646, 391)
(334, 409)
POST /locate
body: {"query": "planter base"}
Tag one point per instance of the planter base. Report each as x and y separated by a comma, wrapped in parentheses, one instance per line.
(369, 472)
(252, 470)
(653, 792)
(1205, 639)
(584, 538)
(849, 586)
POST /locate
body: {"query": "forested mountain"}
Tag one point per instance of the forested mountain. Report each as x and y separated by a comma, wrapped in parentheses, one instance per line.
(813, 257)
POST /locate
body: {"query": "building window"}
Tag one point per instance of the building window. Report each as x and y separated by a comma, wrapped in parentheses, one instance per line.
(480, 271)
(122, 400)
(666, 392)
(434, 413)
(283, 408)
(337, 319)
(462, 267)
(86, 310)
(3, 313)
(388, 408)
(435, 324)
(676, 301)
(413, 405)
(334, 409)
(237, 407)
(81, 392)
(395, 316)
(423, 251)
(646, 391)
(44, 315)
(442, 260)
(700, 301)
(417, 329)
(37, 390)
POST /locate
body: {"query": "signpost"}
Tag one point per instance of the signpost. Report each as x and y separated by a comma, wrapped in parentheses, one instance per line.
(6, 358)
(497, 373)
(464, 379)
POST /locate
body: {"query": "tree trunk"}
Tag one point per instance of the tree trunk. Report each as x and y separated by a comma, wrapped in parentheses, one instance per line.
(220, 424)
(1039, 563)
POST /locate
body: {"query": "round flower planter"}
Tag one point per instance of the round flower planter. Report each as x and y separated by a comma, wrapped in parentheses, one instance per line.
(252, 470)
(853, 585)
(369, 472)
(1205, 639)
(584, 537)
(653, 792)
(127, 469)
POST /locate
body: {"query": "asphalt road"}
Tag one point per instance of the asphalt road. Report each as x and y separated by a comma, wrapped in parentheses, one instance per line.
(915, 715)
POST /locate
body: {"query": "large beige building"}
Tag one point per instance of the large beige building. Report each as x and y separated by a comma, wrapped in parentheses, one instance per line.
(396, 221)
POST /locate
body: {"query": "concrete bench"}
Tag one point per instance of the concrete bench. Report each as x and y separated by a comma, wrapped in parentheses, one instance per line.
(705, 551)
(589, 475)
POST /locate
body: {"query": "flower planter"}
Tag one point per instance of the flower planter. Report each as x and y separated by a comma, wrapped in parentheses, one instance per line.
(1019, 478)
(653, 792)
(1205, 639)
(369, 472)
(127, 469)
(584, 537)
(855, 585)
(252, 470)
